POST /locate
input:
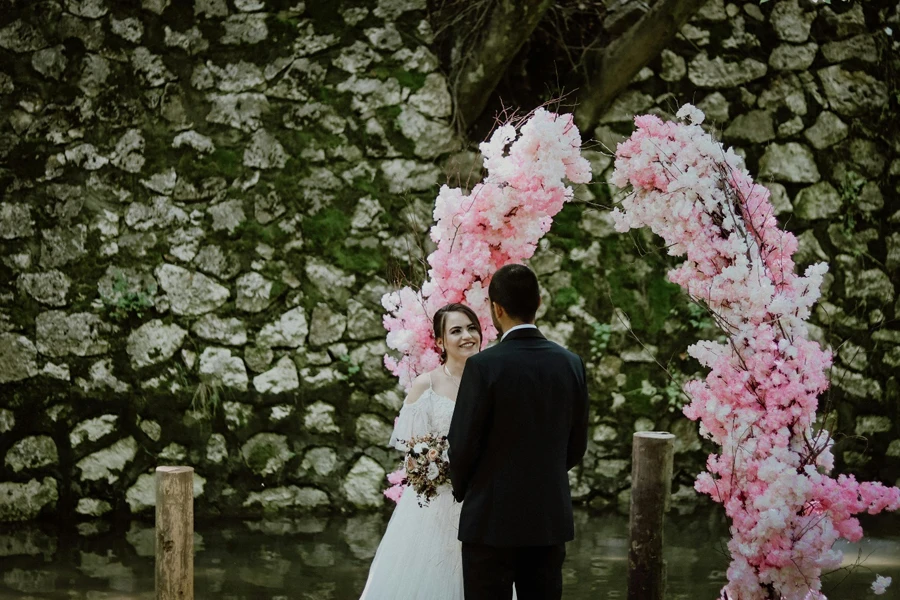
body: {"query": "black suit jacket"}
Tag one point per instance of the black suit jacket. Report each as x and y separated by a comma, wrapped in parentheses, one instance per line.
(519, 425)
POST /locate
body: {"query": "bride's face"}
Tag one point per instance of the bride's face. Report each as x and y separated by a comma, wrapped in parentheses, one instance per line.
(462, 338)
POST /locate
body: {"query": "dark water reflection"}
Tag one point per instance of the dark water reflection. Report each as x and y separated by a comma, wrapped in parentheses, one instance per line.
(328, 559)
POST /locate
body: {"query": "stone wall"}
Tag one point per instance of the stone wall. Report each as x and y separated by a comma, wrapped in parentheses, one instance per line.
(204, 201)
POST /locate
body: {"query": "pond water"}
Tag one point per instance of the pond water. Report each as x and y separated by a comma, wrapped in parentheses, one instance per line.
(328, 559)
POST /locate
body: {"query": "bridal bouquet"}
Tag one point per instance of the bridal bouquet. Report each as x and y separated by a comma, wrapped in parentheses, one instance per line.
(427, 465)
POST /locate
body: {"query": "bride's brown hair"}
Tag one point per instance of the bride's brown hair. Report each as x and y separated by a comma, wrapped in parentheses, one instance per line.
(440, 317)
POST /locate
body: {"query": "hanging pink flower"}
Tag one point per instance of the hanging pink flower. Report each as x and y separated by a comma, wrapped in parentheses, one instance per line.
(759, 400)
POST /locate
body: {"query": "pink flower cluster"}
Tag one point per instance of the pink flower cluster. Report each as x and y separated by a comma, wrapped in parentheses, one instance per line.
(499, 221)
(759, 401)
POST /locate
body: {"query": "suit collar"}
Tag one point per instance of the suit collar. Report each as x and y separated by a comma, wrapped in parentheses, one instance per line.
(525, 333)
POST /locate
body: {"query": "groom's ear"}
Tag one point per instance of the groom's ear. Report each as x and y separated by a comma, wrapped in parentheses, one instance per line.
(498, 310)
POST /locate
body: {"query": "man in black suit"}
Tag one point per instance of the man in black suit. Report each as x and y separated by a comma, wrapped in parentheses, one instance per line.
(519, 425)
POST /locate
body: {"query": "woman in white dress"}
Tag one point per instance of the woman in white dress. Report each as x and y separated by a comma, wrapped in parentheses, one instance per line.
(419, 557)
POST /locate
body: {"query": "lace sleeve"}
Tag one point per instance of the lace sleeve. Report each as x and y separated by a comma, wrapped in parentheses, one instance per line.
(412, 421)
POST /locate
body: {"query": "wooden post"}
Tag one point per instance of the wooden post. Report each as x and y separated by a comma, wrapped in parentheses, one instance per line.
(174, 533)
(651, 486)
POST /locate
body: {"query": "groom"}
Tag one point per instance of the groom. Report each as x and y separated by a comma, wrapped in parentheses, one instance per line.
(519, 425)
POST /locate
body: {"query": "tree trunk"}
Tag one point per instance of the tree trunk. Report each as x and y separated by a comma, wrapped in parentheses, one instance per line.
(509, 24)
(610, 70)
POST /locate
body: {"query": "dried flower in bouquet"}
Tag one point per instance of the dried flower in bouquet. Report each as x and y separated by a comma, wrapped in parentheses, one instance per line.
(427, 465)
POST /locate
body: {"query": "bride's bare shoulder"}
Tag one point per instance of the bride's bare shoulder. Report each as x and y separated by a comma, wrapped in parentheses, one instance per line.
(418, 387)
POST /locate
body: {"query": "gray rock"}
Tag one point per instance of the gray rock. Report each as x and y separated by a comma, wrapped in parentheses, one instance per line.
(791, 162)
(405, 175)
(258, 358)
(154, 342)
(331, 281)
(893, 251)
(61, 334)
(717, 73)
(845, 24)
(364, 483)
(191, 41)
(129, 29)
(872, 424)
(92, 507)
(302, 75)
(356, 57)
(172, 454)
(870, 285)
(853, 356)
(160, 214)
(15, 221)
(784, 91)
(94, 72)
(280, 498)
(326, 326)
(431, 138)
(308, 42)
(219, 367)
(363, 323)
(264, 152)
(62, 245)
(101, 377)
(7, 417)
(89, 9)
(50, 62)
(850, 241)
(86, 156)
(155, 6)
(266, 453)
(90, 31)
(211, 8)
(321, 460)
(128, 154)
(372, 429)
(32, 452)
(49, 287)
(827, 131)
(421, 59)
(241, 111)
(791, 22)
(228, 215)
(235, 77)
(152, 429)
(25, 501)
(384, 38)
(778, 196)
(870, 198)
(215, 261)
(229, 331)
(819, 201)
(245, 29)
(237, 415)
(755, 127)
(433, 99)
(790, 128)
(150, 67)
(852, 93)
(190, 293)
(673, 67)
(861, 47)
(192, 139)
(279, 379)
(319, 418)
(216, 448)
(868, 155)
(790, 57)
(93, 430)
(107, 464)
(20, 36)
(626, 106)
(391, 9)
(289, 331)
(254, 292)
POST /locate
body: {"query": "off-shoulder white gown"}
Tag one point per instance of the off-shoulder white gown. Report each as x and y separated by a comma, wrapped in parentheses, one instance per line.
(419, 557)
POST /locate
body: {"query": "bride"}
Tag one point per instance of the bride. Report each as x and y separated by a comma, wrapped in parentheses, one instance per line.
(419, 556)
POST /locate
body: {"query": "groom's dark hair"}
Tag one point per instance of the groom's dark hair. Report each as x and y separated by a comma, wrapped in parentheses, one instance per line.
(515, 288)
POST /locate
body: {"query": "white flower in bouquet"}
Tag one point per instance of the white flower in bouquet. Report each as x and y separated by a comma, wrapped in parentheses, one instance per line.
(433, 471)
(420, 447)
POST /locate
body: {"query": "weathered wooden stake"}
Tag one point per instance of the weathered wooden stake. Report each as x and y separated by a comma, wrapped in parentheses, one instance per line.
(651, 486)
(174, 533)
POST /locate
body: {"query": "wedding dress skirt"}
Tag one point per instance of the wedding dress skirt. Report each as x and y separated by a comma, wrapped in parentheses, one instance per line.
(419, 557)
